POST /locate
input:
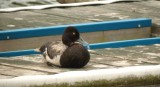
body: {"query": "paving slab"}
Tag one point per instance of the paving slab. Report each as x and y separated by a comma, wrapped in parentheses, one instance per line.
(81, 14)
(106, 58)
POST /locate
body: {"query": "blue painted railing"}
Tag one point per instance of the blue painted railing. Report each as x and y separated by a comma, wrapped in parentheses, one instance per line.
(115, 44)
(87, 27)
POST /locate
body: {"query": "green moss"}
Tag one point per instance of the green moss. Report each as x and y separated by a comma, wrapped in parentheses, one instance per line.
(36, 3)
(18, 4)
(120, 82)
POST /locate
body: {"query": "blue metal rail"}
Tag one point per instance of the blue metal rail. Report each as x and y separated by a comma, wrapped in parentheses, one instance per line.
(87, 27)
(115, 44)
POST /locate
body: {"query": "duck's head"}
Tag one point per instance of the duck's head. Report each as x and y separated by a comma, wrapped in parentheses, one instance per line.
(71, 35)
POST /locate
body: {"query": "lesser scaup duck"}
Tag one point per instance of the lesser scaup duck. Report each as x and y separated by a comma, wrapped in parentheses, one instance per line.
(68, 53)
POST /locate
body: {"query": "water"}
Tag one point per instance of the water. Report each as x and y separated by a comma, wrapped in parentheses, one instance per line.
(22, 3)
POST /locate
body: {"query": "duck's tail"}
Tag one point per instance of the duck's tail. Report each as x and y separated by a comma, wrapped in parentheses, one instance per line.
(42, 48)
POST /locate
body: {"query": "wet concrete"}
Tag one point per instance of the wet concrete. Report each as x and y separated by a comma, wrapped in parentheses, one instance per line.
(23, 3)
(82, 14)
(107, 58)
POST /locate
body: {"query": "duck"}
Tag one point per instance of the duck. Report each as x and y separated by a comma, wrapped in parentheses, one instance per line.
(68, 52)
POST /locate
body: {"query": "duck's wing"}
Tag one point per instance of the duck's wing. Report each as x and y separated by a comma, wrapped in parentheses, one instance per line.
(44, 46)
(51, 49)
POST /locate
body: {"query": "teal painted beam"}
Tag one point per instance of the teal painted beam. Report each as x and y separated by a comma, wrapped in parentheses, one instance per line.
(18, 53)
(115, 44)
(84, 27)
(126, 43)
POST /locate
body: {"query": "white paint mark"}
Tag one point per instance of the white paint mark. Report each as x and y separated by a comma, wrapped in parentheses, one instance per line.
(100, 66)
(11, 25)
(18, 19)
(8, 37)
(139, 25)
(153, 54)
(121, 63)
(99, 58)
(157, 44)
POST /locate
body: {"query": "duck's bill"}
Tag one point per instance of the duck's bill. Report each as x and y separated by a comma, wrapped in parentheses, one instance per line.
(86, 44)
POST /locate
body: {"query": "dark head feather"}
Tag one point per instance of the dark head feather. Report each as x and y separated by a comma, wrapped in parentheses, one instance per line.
(70, 35)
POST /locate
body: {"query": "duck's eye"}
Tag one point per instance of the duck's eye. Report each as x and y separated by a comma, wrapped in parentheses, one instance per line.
(74, 33)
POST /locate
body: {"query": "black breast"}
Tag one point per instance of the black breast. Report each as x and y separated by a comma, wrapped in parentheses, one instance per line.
(75, 56)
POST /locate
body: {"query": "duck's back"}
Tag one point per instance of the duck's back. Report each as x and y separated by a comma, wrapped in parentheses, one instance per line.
(75, 56)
